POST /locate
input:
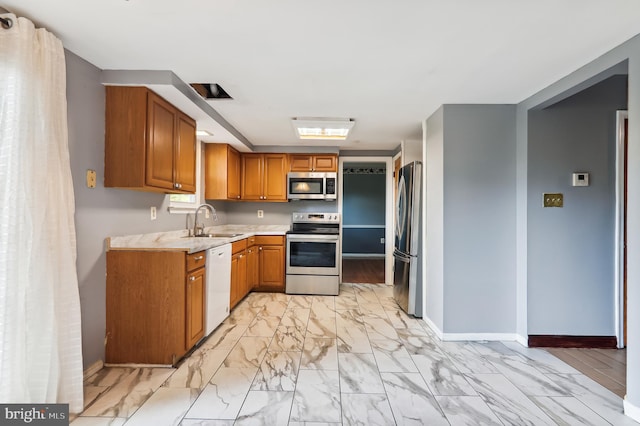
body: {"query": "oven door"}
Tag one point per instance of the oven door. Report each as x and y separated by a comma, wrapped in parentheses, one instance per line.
(313, 254)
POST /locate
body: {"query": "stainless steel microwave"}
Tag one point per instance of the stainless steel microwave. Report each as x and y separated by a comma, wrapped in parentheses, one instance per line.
(312, 186)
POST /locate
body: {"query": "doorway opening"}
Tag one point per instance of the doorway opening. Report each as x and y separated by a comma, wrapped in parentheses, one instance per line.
(365, 205)
(621, 228)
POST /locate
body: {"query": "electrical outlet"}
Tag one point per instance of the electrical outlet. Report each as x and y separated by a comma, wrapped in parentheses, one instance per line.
(260, 213)
(552, 200)
(382, 240)
(153, 213)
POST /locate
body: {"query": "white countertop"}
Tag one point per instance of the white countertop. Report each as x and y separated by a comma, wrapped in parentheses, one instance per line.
(179, 240)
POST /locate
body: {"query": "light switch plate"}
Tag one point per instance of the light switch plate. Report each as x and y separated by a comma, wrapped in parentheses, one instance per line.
(91, 178)
(552, 200)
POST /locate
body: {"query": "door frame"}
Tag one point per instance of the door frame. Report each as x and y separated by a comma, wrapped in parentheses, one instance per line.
(388, 210)
(619, 252)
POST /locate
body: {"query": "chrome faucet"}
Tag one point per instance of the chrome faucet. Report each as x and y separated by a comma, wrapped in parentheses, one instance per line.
(199, 229)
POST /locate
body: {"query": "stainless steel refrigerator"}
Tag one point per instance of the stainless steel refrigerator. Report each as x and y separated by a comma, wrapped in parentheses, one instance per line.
(407, 283)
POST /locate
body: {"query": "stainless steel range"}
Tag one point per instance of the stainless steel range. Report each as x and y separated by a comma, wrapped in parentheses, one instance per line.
(313, 254)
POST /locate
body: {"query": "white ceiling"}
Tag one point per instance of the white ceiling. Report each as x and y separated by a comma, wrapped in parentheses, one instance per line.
(386, 64)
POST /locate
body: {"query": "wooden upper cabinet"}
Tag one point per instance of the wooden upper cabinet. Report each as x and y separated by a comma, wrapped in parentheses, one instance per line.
(160, 142)
(275, 177)
(314, 162)
(252, 175)
(264, 177)
(149, 144)
(186, 153)
(222, 172)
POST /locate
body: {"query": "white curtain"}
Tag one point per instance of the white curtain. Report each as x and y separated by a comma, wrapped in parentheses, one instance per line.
(40, 336)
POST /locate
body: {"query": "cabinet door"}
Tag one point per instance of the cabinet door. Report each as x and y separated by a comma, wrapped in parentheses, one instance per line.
(235, 280)
(242, 275)
(238, 277)
(195, 308)
(325, 163)
(252, 268)
(185, 178)
(251, 177)
(272, 266)
(161, 131)
(233, 174)
(301, 163)
(275, 177)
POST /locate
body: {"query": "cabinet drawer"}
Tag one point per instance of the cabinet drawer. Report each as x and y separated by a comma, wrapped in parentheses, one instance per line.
(251, 241)
(196, 260)
(238, 246)
(269, 240)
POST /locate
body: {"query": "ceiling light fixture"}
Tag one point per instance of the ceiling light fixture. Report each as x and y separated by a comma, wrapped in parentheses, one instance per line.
(322, 128)
(203, 133)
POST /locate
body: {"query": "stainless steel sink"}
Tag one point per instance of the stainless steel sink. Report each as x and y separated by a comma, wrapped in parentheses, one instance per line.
(216, 236)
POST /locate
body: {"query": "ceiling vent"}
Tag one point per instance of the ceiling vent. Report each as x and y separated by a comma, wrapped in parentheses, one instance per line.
(210, 91)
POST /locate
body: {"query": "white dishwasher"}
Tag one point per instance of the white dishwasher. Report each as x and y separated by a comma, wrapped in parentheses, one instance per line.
(218, 288)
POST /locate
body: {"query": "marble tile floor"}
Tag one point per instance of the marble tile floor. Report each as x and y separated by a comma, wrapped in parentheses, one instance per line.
(353, 359)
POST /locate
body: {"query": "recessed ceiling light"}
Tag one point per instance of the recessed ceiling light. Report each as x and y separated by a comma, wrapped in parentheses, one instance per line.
(322, 128)
(203, 133)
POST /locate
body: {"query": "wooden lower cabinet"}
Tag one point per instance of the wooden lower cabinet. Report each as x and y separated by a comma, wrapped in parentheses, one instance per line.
(271, 263)
(195, 315)
(155, 305)
(238, 272)
(253, 268)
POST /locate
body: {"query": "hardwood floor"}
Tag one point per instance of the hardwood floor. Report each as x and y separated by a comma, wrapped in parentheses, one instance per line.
(369, 271)
(606, 366)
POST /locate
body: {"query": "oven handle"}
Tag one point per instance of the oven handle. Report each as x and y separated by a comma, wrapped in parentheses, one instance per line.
(307, 237)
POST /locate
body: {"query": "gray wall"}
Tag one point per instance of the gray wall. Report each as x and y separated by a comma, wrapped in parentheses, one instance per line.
(571, 256)
(100, 212)
(246, 213)
(479, 218)
(627, 53)
(433, 230)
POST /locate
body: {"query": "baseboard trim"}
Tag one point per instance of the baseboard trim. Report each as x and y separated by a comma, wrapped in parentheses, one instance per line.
(93, 369)
(433, 326)
(473, 337)
(458, 337)
(631, 410)
(563, 341)
(522, 340)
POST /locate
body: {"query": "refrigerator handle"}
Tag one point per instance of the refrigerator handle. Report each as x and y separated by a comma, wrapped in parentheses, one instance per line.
(404, 257)
(401, 206)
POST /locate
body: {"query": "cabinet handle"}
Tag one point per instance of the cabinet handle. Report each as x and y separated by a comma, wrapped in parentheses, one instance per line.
(260, 248)
(177, 185)
(192, 278)
(238, 197)
(240, 257)
(198, 257)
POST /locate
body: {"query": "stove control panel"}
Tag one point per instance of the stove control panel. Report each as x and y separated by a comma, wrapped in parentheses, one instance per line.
(316, 217)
